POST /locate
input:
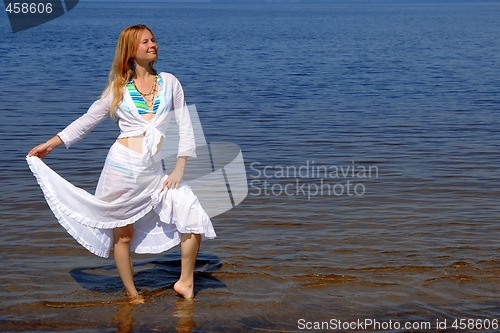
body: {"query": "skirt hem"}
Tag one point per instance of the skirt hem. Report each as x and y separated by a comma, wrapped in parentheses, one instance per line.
(51, 199)
(175, 212)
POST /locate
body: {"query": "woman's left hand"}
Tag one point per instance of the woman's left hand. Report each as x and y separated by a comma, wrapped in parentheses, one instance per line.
(174, 179)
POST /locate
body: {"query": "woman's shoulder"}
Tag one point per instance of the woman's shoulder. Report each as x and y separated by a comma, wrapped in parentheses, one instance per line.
(169, 77)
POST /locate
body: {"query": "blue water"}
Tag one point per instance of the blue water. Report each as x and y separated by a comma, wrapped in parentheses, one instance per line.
(411, 90)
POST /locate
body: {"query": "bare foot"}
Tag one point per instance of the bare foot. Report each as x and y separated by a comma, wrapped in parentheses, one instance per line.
(184, 290)
(136, 299)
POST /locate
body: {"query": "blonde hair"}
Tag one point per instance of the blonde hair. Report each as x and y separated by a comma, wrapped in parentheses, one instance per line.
(121, 70)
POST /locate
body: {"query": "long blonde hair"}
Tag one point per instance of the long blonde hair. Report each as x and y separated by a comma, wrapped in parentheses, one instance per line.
(121, 70)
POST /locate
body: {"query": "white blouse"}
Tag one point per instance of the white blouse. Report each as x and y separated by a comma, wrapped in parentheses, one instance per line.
(132, 124)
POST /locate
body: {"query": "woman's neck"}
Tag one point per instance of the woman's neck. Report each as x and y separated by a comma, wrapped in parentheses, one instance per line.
(142, 73)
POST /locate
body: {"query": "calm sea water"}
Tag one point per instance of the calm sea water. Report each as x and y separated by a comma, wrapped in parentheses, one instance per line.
(371, 138)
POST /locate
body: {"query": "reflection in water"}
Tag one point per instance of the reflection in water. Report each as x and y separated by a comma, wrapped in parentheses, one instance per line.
(123, 318)
(184, 310)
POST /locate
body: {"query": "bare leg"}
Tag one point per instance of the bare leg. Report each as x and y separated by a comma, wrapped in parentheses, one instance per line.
(189, 252)
(122, 238)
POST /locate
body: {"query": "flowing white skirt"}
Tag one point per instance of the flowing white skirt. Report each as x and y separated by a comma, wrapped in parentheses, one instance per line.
(128, 192)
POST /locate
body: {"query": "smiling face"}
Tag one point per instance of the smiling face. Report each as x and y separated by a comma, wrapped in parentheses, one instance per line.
(147, 51)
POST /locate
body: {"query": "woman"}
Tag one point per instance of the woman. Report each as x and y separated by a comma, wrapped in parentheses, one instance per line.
(137, 206)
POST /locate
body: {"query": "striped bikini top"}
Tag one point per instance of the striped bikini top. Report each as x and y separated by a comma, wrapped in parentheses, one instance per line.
(139, 102)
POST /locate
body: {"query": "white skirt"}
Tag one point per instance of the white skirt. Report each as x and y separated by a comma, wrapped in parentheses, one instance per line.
(128, 192)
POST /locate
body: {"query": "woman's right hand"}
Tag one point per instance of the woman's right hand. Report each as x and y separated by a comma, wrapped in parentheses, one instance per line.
(44, 149)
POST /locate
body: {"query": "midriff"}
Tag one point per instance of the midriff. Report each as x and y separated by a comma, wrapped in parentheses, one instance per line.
(134, 143)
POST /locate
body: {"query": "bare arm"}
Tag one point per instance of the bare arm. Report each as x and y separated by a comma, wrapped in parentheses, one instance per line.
(45, 148)
(175, 177)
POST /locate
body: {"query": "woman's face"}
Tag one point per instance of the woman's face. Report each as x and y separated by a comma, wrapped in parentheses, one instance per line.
(148, 49)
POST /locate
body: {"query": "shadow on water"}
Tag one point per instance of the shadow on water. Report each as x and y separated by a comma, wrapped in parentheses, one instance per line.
(154, 278)
(151, 276)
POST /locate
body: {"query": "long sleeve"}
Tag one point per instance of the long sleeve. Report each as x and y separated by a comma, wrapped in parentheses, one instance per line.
(96, 114)
(187, 146)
